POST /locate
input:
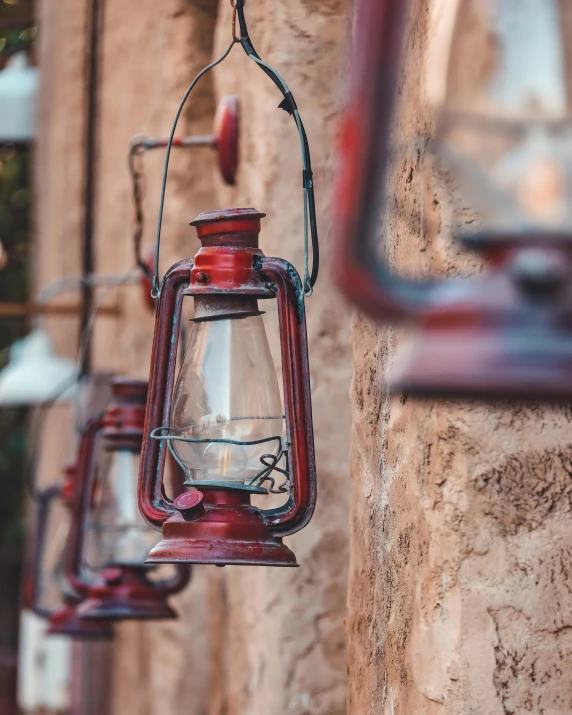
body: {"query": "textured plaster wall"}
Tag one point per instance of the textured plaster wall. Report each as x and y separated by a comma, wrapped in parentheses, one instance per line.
(249, 641)
(460, 599)
(285, 627)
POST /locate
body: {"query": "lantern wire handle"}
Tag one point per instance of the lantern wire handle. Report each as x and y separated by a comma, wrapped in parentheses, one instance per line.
(289, 105)
(156, 288)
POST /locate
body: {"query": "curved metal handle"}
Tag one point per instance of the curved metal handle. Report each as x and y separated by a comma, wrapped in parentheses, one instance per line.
(363, 158)
(176, 583)
(83, 497)
(154, 506)
(32, 569)
(298, 510)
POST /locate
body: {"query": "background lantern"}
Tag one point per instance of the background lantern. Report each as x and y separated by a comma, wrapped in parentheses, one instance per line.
(44, 578)
(223, 420)
(107, 511)
(499, 79)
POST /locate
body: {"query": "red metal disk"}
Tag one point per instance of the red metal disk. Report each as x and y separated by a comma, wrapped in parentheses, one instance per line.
(226, 132)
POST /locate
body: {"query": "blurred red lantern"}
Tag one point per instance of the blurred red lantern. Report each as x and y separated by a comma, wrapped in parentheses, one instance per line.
(106, 511)
(504, 133)
(38, 580)
(223, 419)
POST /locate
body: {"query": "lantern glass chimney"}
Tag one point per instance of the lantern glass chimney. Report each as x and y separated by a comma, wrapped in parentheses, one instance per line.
(125, 539)
(226, 398)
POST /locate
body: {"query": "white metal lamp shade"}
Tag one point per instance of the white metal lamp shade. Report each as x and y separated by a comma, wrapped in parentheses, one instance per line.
(18, 93)
(35, 374)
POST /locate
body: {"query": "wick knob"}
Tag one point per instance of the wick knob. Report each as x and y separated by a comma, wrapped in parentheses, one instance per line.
(190, 504)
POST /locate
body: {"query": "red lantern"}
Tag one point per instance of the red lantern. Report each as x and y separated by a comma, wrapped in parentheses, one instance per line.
(223, 420)
(123, 588)
(503, 131)
(65, 620)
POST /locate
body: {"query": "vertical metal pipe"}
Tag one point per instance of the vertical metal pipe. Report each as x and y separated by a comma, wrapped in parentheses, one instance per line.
(95, 17)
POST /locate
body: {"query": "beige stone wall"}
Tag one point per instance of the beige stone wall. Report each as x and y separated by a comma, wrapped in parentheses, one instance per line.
(460, 597)
(250, 641)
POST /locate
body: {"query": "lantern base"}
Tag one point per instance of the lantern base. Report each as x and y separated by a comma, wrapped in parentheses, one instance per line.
(226, 529)
(515, 363)
(67, 622)
(126, 594)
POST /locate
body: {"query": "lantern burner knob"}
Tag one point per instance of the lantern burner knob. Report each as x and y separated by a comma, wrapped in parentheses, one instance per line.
(190, 504)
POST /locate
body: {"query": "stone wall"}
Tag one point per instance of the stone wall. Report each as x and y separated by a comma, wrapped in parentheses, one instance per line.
(249, 641)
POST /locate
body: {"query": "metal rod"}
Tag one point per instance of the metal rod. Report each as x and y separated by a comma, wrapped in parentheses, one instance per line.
(197, 140)
(18, 309)
(94, 29)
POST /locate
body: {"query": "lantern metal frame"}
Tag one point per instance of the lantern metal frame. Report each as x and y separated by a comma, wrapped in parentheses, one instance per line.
(123, 591)
(505, 333)
(215, 523)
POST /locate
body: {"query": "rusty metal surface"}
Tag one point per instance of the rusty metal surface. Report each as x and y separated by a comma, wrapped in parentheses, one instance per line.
(227, 529)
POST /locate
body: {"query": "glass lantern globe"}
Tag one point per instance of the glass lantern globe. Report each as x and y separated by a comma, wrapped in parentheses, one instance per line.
(226, 398)
(119, 536)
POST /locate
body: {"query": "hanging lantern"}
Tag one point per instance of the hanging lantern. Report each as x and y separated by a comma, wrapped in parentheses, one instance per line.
(39, 581)
(107, 512)
(500, 77)
(222, 419)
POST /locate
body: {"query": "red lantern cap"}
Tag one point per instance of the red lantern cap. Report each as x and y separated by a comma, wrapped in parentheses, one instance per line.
(125, 416)
(216, 227)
